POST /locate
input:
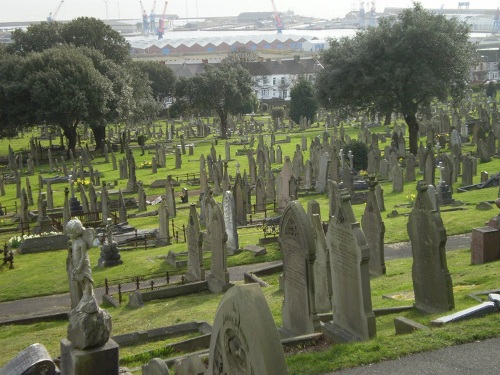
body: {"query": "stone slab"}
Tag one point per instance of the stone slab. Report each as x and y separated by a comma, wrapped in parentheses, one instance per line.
(256, 250)
(252, 278)
(485, 245)
(102, 360)
(404, 325)
(174, 291)
(472, 312)
(44, 243)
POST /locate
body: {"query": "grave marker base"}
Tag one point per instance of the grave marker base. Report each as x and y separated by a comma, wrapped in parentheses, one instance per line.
(102, 360)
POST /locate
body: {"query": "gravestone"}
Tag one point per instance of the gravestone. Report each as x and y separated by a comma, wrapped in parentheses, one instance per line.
(33, 360)
(353, 317)
(163, 237)
(218, 280)
(229, 209)
(195, 270)
(431, 279)
(299, 252)
(429, 166)
(322, 275)
(240, 201)
(374, 229)
(410, 168)
(397, 179)
(321, 181)
(260, 195)
(244, 338)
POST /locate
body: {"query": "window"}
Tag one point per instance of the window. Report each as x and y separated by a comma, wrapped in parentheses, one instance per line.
(265, 80)
(283, 80)
(274, 81)
(264, 93)
(284, 94)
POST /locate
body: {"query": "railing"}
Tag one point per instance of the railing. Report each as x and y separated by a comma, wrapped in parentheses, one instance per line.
(175, 233)
(4, 208)
(146, 282)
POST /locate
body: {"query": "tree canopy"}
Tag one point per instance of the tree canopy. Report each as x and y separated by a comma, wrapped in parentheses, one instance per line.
(404, 64)
(303, 101)
(80, 32)
(225, 88)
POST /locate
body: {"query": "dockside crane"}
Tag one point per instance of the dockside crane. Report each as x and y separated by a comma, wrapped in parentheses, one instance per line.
(279, 22)
(373, 20)
(496, 22)
(161, 23)
(52, 16)
(152, 19)
(361, 14)
(145, 22)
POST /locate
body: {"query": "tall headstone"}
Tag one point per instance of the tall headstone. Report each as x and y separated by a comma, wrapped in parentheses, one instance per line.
(431, 279)
(163, 237)
(397, 179)
(299, 252)
(218, 280)
(374, 230)
(229, 209)
(353, 317)
(195, 270)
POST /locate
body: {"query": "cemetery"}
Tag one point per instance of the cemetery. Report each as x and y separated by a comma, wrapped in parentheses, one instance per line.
(201, 248)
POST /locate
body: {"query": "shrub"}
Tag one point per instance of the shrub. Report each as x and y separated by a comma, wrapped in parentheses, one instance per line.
(360, 152)
(277, 113)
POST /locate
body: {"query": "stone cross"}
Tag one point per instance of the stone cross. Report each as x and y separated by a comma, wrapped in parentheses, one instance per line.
(238, 165)
(341, 157)
(441, 172)
(351, 159)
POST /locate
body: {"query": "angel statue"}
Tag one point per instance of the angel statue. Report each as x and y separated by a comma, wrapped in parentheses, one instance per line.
(78, 267)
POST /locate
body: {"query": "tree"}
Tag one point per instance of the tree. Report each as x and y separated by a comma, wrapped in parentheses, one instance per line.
(80, 32)
(161, 78)
(303, 101)
(65, 89)
(404, 64)
(241, 56)
(491, 90)
(225, 88)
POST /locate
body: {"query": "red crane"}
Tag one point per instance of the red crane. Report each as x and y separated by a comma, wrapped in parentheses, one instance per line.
(279, 23)
(145, 23)
(161, 23)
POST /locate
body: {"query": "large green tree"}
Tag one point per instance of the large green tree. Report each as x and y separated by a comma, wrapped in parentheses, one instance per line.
(80, 32)
(303, 101)
(404, 64)
(225, 88)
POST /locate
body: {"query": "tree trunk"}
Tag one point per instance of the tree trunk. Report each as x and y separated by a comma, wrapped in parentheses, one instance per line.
(70, 134)
(411, 121)
(99, 137)
(387, 118)
(223, 126)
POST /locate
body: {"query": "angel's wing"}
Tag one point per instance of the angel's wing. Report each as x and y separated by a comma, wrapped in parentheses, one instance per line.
(88, 236)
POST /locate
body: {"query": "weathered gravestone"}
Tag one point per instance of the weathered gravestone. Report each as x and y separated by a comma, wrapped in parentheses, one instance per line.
(299, 252)
(218, 280)
(353, 317)
(397, 179)
(322, 276)
(33, 360)
(195, 271)
(229, 209)
(244, 337)
(374, 229)
(431, 278)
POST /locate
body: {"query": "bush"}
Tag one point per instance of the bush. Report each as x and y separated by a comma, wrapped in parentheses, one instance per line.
(277, 113)
(360, 152)
(264, 108)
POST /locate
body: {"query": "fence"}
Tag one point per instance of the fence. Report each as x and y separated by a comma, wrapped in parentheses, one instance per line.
(149, 282)
(13, 208)
(175, 233)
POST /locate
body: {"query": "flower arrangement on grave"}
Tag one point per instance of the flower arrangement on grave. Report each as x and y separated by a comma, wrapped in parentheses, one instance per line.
(363, 173)
(411, 198)
(79, 182)
(16, 241)
(145, 165)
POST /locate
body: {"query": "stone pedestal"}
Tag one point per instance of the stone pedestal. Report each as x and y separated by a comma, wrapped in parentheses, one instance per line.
(445, 195)
(485, 245)
(102, 360)
(74, 206)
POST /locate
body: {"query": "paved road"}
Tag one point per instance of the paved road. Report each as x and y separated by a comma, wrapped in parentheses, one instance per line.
(474, 359)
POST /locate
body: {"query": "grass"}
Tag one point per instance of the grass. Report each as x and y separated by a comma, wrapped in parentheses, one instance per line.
(44, 273)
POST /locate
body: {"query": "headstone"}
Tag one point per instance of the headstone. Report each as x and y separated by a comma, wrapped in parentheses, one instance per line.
(397, 179)
(321, 182)
(353, 317)
(195, 271)
(218, 280)
(374, 230)
(240, 343)
(299, 251)
(229, 209)
(163, 236)
(431, 279)
(33, 360)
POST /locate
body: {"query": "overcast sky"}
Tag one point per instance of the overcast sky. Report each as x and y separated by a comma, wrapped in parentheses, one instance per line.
(33, 10)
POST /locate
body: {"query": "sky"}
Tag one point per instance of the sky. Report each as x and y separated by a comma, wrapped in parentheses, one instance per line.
(39, 10)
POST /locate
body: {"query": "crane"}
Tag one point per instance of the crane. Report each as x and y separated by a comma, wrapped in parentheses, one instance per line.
(361, 15)
(279, 23)
(372, 14)
(152, 20)
(52, 16)
(145, 23)
(496, 22)
(161, 22)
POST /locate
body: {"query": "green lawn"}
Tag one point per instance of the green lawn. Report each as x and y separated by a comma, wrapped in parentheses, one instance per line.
(44, 273)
